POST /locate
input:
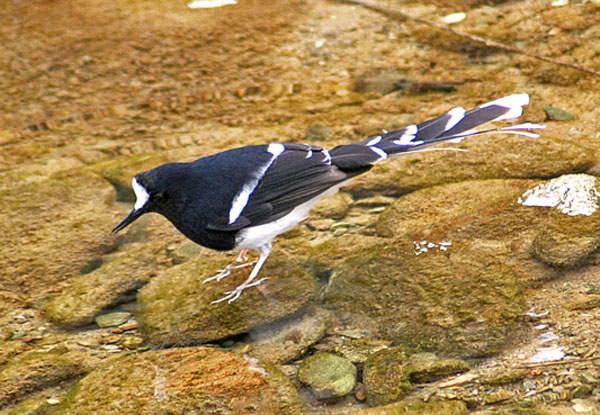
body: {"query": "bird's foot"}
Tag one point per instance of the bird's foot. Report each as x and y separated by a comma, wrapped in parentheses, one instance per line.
(235, 294)
(227, 271)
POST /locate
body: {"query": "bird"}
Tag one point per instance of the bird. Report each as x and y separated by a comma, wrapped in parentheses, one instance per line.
(243, 198)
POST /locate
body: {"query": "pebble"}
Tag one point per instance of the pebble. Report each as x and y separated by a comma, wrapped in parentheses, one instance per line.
(112, 319)
(132, 342)
(557, 114)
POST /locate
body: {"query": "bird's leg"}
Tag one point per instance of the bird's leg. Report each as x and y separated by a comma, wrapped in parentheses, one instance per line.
(233, 295)
(242, 258)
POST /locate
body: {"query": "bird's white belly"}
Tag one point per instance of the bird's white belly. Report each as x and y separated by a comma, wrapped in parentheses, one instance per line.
(255, 236)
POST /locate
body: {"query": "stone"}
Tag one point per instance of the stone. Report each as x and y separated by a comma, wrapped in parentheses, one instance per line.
(175, 307)
(385, 376)
(112, 319)
(289, 338)
(329, 376)
(180, 381)
(35, 371)
(427, 367)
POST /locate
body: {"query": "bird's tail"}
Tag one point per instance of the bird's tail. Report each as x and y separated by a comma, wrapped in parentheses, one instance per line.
(453, 126)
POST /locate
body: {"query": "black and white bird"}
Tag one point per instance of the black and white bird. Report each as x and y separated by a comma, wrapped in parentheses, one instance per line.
(243, 198)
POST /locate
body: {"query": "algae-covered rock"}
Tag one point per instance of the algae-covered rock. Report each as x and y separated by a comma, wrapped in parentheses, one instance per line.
(329, 376)
(120, 170)
(182, 381)
(489, 157)
(175, 306)
(359, 350)
(89, 294)
(427, 367)
(459, 301)
(53, 229)
(564, 249)
(416, 407)
(35, 371)
(385, 376)
(487, 217)
(288, 338)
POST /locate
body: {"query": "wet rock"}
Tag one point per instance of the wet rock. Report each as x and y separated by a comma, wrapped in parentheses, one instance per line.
(112, 319)
(119, 171)
(335, 207)
(289, 338)
(316, 132)
(584, 302)
(505, 376)
(174, 308)
(184, 252)
(562, 248)
(358, 350)
(427, 367)
(104, 287)
(52, 230)
(465, 303)
(35, 371)
(486, 159)
(558, 114)
(132, 342)
(180, 381)
(416, 407)
(385, 376)
(487, 217)
(329, 376)
(379, 81)
(498, 396)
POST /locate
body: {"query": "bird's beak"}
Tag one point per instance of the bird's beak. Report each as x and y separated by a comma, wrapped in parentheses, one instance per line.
(133, 215)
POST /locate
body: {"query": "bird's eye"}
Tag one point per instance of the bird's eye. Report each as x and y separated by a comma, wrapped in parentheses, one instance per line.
(160, 197)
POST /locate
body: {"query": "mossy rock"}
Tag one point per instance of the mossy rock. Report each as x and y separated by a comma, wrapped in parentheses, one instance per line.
(175, 307)
(110, 284)
(53, 230)
(181, 381)
(427, 367)
(460, 302)
(329, 376)
(119, 171)
(385, 376)
(417, 407)
(35, 371)
(487, 216)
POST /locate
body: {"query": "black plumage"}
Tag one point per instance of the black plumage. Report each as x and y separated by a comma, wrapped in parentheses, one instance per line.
(243, 198)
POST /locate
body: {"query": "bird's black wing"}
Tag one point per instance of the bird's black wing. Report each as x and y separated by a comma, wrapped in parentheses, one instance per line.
(299, 173)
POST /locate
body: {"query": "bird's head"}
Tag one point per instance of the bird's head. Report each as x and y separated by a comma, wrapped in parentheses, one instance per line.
(152, 192)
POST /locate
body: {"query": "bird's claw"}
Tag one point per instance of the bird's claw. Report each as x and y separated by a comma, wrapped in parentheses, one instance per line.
(234, 294)
(222, 273)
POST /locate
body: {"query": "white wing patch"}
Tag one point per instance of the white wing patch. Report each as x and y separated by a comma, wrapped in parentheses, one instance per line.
(514, 103)
(141, 194)
(382, 154)
(407, 138)
(241, 199)
(456, 116)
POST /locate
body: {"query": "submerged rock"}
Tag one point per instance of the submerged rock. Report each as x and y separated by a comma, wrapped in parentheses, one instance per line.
(35, 371)
(385, 376)
(181, 381)
(427, 367)
(110, 284)
(417, 407)
(329, 376)
(53, 229)
(174, 308)
(290, 337)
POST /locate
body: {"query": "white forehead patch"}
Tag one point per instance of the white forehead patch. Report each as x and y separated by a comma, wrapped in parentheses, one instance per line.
(141, 194)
